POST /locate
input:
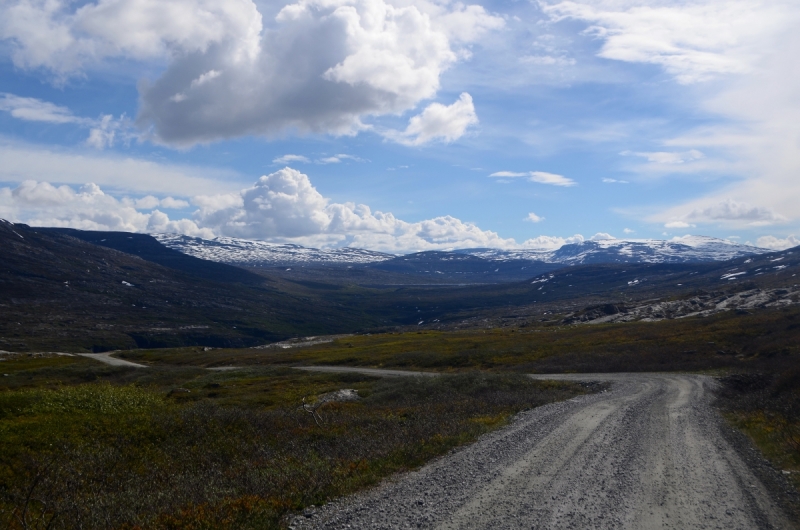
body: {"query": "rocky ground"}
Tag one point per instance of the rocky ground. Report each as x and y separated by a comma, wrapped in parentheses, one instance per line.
(701, 305)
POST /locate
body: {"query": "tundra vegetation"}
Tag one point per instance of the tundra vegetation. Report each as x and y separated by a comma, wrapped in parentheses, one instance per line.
(83, 445)
(755, 356)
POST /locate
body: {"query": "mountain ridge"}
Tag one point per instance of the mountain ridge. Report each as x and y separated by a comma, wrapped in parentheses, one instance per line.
(250, 253)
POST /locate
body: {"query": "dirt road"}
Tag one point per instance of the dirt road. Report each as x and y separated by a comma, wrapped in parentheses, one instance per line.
(108, 359)
(649, 453)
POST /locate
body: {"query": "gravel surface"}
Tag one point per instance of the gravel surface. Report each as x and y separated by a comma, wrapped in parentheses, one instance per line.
(649, 453)
(108, 359)
(378, 372)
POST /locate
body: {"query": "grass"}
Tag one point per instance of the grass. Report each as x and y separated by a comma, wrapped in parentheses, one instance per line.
(766, 406)
(769, 339)
(183, 447)
(101, 446)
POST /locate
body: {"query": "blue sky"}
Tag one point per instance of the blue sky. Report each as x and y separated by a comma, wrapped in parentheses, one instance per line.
(404, 125)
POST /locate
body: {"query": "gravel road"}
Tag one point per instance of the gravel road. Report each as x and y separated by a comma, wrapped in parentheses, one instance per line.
(108, 359)
(649, 453)
(379, 372)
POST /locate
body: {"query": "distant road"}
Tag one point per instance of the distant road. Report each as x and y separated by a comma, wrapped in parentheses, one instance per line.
(108, 359)
(378, 372)
(650, 453)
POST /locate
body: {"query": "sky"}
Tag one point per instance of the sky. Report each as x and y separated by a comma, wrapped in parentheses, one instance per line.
(404, 125)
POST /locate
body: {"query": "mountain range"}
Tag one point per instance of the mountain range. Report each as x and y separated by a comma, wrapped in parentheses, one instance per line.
(248, 253)
(74, 290)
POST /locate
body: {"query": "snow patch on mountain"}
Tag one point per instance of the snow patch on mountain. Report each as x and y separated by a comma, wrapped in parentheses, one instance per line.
(245, 252)
(252, 253)
(677, 250)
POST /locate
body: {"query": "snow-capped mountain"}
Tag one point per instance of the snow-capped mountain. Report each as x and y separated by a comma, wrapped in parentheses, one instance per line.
(258, 253)
(679, 250)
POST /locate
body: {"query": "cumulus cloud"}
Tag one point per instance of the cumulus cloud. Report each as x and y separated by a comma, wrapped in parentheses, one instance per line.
(323, 66)
(533, 218)
(87, 208)
(280, 207)
(65, 37)
(551, 242)
(615, 181)
(438, 122)
(149, 202)
(776, 243)
(602, 236)
(284, 206)
(540, 177)
(318, 66)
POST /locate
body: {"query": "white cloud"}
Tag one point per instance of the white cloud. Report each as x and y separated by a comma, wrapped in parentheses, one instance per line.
(551, 178)
(748, 51)
(144, 203)
(757, 132)
(88, 208)
(284, 206)
(547, 60)
(324, 66)
(615, 181)
(318, 66)
(335, 159)
(288, 159)
(540, 177)
(26, 162)
(677, 224)
(551, 242)
(66, 37)
(730, 210)
(776, 243)
(173, 204)
(438, 122)
(205, 78)
(32, 109)
(280, 207)
(692, 41)
(666, 157)
(532, 217)
(508, 174)
(726, 212)
(103, 131)
(628, 231)
(602, 236)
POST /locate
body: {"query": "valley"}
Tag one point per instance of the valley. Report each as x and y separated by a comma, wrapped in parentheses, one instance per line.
(219, 347)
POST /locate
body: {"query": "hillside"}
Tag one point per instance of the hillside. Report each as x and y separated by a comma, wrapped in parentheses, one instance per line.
(61, 293)
(77, 290)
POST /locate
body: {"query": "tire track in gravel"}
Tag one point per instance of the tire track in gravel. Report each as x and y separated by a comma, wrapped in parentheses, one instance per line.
(649, 453)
